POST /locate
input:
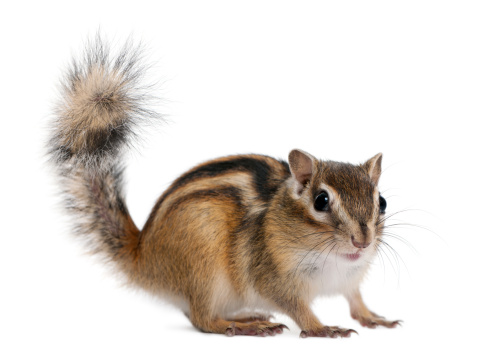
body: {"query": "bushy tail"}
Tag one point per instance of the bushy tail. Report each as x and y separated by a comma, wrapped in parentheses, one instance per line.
(102, 104)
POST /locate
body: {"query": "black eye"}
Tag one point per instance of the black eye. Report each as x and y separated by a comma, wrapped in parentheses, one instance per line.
(321, 203)
(383, 204)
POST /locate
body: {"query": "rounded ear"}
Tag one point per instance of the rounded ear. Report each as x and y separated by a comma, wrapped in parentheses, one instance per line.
(373, 167)
(301, 165)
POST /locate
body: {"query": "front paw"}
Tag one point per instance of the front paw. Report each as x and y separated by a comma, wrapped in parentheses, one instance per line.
(327, 331)
(373, 321)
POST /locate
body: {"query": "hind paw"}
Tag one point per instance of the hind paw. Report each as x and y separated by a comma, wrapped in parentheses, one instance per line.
(261, 329)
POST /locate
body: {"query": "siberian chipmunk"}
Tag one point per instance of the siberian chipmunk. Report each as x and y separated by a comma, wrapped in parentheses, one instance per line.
(233, 239)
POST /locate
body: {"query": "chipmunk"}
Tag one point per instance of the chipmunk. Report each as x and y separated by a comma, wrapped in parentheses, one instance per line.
(232, 240)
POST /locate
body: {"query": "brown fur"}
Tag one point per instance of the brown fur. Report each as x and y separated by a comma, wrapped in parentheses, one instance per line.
(239, 233)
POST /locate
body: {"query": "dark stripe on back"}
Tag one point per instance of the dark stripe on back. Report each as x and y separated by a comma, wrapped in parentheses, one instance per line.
(231, 193)
(261, 172)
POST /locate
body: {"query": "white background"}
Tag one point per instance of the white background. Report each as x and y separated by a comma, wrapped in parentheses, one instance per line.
(343, 80)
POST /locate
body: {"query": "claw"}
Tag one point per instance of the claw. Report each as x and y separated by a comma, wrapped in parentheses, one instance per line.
(348, 333)
(230, 331)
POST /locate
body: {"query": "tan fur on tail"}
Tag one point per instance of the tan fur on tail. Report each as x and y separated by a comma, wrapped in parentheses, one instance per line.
(103, 104)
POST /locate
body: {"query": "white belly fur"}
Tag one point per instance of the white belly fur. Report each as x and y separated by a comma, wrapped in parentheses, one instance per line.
(335, 275)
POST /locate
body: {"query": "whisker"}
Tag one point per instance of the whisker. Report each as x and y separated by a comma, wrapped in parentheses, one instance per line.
(392, 253)
(397, 255)
(310, 234)
(319, 244)
(329, 243)
(393, 214)
(324, 263)
(294, 240)
(313, 264)
(401, 239)
(377, 248)
(403, 224)
(337, 258)
(389, 259)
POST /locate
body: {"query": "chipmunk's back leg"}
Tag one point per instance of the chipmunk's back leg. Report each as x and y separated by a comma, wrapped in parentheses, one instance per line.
(210, 303)
(201, 318)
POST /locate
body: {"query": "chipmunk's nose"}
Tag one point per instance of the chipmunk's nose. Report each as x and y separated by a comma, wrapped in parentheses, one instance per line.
(359, 244)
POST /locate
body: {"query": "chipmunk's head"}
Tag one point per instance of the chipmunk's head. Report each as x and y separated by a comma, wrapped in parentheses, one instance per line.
(342, 204)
